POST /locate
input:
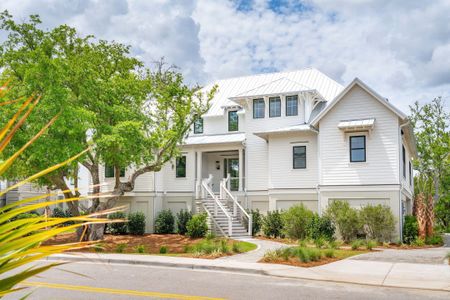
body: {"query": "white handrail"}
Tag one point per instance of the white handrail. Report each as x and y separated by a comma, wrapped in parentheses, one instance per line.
(219, 204)
(225, 191)
(213, 219)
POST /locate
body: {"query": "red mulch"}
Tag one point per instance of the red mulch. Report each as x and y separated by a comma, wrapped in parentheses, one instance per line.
(297, 263)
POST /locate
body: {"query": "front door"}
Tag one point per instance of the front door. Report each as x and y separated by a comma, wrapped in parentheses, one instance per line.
(231, 166)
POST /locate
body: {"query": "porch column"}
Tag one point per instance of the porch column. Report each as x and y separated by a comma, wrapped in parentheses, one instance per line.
(241, 169)
(199, 174)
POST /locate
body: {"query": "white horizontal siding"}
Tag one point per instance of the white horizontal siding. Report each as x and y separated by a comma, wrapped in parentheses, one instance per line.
(281, 171)
(382, 165)
(185, 184)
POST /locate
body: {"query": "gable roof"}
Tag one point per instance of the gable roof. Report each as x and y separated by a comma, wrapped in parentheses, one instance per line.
(308, 78)
(276, 87)
(365, 87)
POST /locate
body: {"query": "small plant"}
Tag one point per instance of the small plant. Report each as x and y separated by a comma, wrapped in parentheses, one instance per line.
(356, 244)
(410, 229)
(319, 242)
(435, 239)
(296, 220)
(183, 217)
(163, 250)
(197, 226)
(210, 236)
(136, 223)
(273, 224)
(370, 244)
(98, 247)
(224, 246)
(164, 222)
(419, 242)
(329, 253)
(117, 227)
(302, 243)
(236, 248)
(257, 221)
(334, 244)
(58, 213)
(120, 248)
(308, 254)
(140, 249)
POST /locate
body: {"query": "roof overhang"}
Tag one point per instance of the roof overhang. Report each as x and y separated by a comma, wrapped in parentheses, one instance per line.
(230, 138)
(357, 125)
(290, 129)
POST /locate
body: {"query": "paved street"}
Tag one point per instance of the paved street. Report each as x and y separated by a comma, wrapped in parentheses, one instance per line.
(116, 281)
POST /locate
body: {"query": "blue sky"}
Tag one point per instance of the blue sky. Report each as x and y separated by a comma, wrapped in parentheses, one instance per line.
(400, 48)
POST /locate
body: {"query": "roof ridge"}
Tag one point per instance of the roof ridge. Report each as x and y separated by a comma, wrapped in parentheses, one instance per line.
(265, 74)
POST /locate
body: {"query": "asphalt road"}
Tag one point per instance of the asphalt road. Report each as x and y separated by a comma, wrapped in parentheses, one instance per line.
(106, 281)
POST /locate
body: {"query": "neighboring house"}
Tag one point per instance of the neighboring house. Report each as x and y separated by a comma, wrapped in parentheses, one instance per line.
(285, 139)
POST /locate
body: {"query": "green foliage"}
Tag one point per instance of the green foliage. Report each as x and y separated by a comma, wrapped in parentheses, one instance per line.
(329, 253)
(210, 236)
(58, 213)
(236, 248)
(419, 242)
(140, 249)
(345, 219)
(164, 222)
(435, 239)
(120, 248)
(378, 222)
(321, 227)
(410, 229)
(370, 244)
(296, 221)
(183, 217)
(319, 242)
(356, 244)
(273, 224)
(197, 226)
(257, 221)
(26, 216)
(136, 223)
(442, 207)
(163, 250)
(118, 227)
(224, 247)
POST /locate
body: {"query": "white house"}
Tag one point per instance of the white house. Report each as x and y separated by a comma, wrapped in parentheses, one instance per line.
(283, 139)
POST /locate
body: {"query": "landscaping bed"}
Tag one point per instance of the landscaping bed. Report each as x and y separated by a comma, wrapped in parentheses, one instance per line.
(163, 244)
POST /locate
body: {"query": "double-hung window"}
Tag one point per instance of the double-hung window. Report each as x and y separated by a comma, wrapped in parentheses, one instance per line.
(299, 157)
(180, 168)
(410, 173)
(109, 171)
(292, 105)
(233, 121)
(358, 148)
(274, 107)
(404, 161)
(259, 108)
(198, 126)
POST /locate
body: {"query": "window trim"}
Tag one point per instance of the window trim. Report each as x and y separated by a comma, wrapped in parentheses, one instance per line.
(259, 100)
(237, 120)
(195, 127)
(176, 166)
(286, 105)
(404, 161)
(410, 173)
(271, 100)
(122, 171)
(364, 148)
(293, 158)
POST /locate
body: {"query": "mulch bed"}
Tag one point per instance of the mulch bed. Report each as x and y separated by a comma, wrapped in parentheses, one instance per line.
(175, 243)
(295, 262)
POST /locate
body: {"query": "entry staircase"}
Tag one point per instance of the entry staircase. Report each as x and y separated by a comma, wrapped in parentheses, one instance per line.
(226, 215)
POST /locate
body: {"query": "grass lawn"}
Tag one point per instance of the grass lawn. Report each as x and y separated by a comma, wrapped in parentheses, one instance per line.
(162, 244)
(307, 256)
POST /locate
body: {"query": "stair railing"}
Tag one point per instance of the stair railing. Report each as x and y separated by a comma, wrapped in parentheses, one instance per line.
(206, 189)
(225, 194)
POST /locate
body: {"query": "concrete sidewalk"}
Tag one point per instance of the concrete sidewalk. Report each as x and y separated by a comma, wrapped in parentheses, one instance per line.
(389, 274)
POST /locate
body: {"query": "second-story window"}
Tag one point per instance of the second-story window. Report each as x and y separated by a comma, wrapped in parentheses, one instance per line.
(258, 109)
(233, 121)
(358, 148)
(180, 167)
(404, 161)
(299, 157)
(292, 105)
(274, 107)
(198, 126)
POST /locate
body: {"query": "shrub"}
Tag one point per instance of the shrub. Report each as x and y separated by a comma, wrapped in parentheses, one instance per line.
(378, 222)
(98, 248)
(236, 248)
(257, 221)
(319, 242)
(356, 244)
(224, 246)
(333, 244)
(435, 239)
(163, 250)
(410, 229)
(370, 244)
(302, 243)
(119, 227)
(136, 223)
(58, 213)
(183, 217)
(344, 218)
(329, 253)
(308, 254)
(121, 247)
(164, 222)
(321, 227)
(197, 226)
(273, 224)
(419, 242)
(140, 249)
(296, 220)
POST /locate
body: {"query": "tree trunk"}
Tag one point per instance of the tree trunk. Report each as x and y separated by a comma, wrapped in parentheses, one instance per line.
(430, 216)
(421, 215)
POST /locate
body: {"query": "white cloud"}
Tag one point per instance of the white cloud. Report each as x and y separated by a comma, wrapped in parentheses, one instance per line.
(400, 48)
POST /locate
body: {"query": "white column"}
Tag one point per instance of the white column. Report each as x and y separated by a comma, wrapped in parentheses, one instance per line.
(241, 169)
(199, 174)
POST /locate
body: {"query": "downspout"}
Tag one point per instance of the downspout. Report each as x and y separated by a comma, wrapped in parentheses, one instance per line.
(400, 161)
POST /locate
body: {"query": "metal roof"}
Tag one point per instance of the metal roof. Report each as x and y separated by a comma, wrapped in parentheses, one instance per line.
(215, 139)
(278, 87)
(288, 129)
(306, 79)
(357, 124)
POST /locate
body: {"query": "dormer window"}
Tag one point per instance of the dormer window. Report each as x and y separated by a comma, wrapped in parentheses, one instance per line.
(274, 107)
(259, 108)
(292, 105)
(198, 126)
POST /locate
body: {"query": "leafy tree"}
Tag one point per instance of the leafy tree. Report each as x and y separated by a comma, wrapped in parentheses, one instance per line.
(130, 116)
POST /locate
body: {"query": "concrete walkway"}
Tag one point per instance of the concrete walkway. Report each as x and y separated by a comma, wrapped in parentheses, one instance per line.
(389, 274)
(434, 256)
(257, 254)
